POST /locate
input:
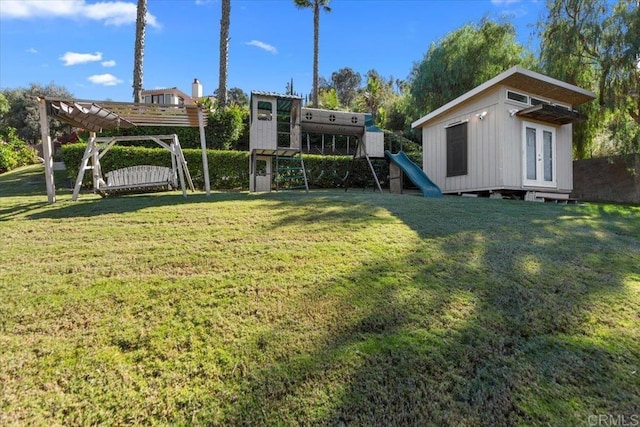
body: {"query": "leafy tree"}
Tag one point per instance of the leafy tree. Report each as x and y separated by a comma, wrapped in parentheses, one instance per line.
(4, 109)
(376, 97)
(346, 83)
(141, 23)
(224, 51)
(24, 114)
(225, 123)
(594, 44)
(235, 95)
(317, 6)
(4, 105)
(329, 99)
(462, 60)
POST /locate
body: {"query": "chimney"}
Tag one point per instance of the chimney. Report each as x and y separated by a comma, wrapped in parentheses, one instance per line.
(196, 89)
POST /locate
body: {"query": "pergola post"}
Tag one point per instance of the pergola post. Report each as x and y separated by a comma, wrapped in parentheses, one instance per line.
(47, 151)
(203, 146)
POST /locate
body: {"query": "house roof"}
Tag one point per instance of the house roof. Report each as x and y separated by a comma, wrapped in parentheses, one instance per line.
(522, 79)
(97, 115)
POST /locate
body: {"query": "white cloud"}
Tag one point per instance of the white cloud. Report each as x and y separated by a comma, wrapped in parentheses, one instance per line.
(263, 46)
(109, 12)
(32, 50)
(104, 79)
(73, 58)
(110, 63)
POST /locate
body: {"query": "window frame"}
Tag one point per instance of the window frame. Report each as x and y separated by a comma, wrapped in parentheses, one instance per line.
(457, 162)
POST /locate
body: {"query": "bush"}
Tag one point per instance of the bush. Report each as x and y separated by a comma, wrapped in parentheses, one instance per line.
(8, 158)
(15, 152)
(228, 170)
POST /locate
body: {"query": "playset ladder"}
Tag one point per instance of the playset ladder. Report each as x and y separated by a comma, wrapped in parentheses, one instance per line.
(288, 170)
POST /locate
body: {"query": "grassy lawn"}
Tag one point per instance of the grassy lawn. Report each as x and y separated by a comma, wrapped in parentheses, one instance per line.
(328, 308)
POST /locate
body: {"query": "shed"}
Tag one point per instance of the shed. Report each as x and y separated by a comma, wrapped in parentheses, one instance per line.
(510, 135)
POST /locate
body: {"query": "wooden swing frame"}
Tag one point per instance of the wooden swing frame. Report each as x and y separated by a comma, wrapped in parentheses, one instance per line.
(97, 115)
(98, 147)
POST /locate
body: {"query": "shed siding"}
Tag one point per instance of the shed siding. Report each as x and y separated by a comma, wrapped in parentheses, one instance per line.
(495, 146)
(483, 156)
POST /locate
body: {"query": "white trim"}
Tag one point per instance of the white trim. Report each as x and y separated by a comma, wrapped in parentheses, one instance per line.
(539, 182)
(506, 96)
(459, 122)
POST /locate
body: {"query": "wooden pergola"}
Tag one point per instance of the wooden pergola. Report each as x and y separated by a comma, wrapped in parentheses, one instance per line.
(95, 116)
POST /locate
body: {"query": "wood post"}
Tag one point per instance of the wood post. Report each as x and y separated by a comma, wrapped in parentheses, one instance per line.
(203, 146)
(47, 151)
(395, 178)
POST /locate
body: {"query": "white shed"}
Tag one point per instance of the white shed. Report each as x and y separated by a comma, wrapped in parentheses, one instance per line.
(510, 135)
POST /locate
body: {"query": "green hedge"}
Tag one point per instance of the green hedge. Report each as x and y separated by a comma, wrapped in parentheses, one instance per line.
(228, 170)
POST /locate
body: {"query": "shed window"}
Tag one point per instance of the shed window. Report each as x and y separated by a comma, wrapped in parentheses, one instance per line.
(457, 148)
(515, 96)
(536, 101)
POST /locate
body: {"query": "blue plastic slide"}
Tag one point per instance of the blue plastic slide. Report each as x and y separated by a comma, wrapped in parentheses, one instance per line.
(415, 174)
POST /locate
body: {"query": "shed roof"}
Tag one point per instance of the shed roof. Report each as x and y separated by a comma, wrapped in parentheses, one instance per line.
(97, 115)
(522, 79)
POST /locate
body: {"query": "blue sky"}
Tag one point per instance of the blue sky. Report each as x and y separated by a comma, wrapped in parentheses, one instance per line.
(87, 46)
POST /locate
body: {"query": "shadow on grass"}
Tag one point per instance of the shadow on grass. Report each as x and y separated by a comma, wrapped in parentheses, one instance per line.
(510, 317)
(495, 327)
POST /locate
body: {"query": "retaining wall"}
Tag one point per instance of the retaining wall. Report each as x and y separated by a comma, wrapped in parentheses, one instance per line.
(607, 179)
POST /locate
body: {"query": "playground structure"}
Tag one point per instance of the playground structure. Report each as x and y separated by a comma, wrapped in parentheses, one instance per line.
(400, 165)
(277, 124)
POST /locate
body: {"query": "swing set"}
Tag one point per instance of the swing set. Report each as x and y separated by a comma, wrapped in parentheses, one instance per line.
(95, 116)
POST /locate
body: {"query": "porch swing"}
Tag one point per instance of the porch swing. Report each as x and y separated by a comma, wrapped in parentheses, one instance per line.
(134, 179)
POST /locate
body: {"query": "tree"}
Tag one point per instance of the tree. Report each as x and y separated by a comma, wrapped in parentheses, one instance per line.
(224, 51)
(24, 113)
(329, 99)
(376, 97)
(237, 96)
(226, 124)
(462, 60)
(317, 6)
(4, 109)
(141, 23)
(594, 44)
(346, 83)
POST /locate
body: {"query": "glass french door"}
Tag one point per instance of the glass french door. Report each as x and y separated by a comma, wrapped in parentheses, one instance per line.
(539, 155)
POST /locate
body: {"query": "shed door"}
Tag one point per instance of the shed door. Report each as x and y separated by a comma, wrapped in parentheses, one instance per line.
(539, 155)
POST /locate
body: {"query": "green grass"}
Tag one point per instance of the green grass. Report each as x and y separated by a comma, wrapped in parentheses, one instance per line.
(328, 308)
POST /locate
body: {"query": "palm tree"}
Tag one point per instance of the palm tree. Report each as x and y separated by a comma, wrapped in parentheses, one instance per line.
(317, 5)
(224, 51)
(141, 22)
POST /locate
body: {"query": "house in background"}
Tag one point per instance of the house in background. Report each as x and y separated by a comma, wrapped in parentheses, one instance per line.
(511, 136)
(174, 96)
